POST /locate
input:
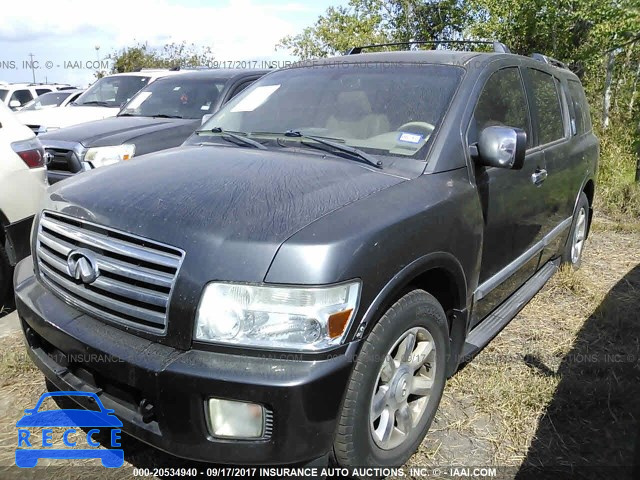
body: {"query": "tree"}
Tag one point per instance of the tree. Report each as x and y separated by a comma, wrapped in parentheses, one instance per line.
(365, 22)
(171, 55)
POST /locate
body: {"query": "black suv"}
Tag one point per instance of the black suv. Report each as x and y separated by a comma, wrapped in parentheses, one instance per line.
(298, 280)
(162, 115)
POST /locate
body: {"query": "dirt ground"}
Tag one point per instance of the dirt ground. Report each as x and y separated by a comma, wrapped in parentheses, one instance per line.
(559, 388)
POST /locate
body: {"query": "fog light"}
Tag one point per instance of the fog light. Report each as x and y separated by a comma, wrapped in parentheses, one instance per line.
(227, 418)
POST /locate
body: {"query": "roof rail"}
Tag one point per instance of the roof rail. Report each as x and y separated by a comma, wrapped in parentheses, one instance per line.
(498, 47)
(548, 60)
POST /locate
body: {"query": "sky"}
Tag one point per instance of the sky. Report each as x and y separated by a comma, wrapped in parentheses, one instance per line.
(67, 37)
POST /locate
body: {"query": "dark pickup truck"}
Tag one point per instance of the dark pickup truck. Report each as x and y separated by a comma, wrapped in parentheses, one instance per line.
(297, 281)
(162, 115)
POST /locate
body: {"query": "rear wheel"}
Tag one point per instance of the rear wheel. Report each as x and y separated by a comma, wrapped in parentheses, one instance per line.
(395, 386)
(578, 234)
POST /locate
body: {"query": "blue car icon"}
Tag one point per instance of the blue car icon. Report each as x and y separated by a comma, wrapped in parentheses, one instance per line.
(110, 458)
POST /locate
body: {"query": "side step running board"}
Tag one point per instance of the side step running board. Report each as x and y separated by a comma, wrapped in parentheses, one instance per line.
(486, 330)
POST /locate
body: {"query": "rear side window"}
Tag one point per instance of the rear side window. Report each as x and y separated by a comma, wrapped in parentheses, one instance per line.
(579, 101)
(42, 91)
(23, 96)
(546, 102)
(503, 103)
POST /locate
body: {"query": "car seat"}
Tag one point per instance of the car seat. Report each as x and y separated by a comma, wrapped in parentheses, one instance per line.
(353, 117)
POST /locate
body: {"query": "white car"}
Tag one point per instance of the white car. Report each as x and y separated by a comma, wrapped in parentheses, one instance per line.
(17, 95)
(29, 114)
(22, 186)
(103, 99)
(59, 98)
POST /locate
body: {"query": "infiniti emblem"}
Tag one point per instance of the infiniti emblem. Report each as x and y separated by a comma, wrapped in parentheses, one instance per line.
(82, 265)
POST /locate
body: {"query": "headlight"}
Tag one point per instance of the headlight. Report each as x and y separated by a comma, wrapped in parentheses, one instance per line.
(292, 318)
(103, 156)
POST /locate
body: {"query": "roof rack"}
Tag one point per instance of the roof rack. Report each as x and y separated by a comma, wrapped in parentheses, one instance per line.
(548, 60)
(498, 47)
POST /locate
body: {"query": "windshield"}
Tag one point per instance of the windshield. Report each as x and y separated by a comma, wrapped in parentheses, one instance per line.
(47, 100)
(176, 97)
(383, 109)
(112, 91)
(3, 94)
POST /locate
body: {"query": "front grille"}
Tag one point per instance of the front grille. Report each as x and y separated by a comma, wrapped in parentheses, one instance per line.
(135, 277)
(59, 160)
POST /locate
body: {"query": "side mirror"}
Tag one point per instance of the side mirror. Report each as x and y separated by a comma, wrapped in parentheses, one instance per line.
(502, 147)
(205, 118)
(14, 104)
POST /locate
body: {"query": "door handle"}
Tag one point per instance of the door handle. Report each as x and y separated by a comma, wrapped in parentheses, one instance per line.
(539, 176)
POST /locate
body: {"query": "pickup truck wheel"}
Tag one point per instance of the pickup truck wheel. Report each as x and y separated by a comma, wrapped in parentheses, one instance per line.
(578, 234)
(395, 386)
(5, 278)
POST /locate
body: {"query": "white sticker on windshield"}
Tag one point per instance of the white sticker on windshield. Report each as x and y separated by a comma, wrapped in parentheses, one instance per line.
(137, 100)
(255, 98)
(175, 89)
(409, 137)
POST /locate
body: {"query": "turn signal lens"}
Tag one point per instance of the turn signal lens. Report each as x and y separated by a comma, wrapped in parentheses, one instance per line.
(338, 323)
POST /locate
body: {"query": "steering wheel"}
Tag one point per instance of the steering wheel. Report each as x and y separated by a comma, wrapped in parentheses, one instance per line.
(424, 127)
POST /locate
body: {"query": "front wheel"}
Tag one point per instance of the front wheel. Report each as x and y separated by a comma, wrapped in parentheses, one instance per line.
(396, 385)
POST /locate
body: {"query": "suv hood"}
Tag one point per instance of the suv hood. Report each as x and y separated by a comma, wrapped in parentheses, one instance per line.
(228, 208)
(65, 116)
(116, 130)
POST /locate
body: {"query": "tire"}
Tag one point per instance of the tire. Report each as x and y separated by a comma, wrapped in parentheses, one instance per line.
(572, 254)
(6, 274)
(359, 436)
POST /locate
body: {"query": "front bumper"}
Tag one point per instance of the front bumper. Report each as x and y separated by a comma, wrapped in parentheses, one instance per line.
(159, 392)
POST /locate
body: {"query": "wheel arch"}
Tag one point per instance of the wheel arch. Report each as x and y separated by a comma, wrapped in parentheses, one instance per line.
(589, 190)
(439, 274)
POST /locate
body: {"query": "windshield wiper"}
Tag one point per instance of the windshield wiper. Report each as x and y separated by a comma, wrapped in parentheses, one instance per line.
(164, 115)
(95, 102)
(127, 115)
(233, 137)
(330, 146)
